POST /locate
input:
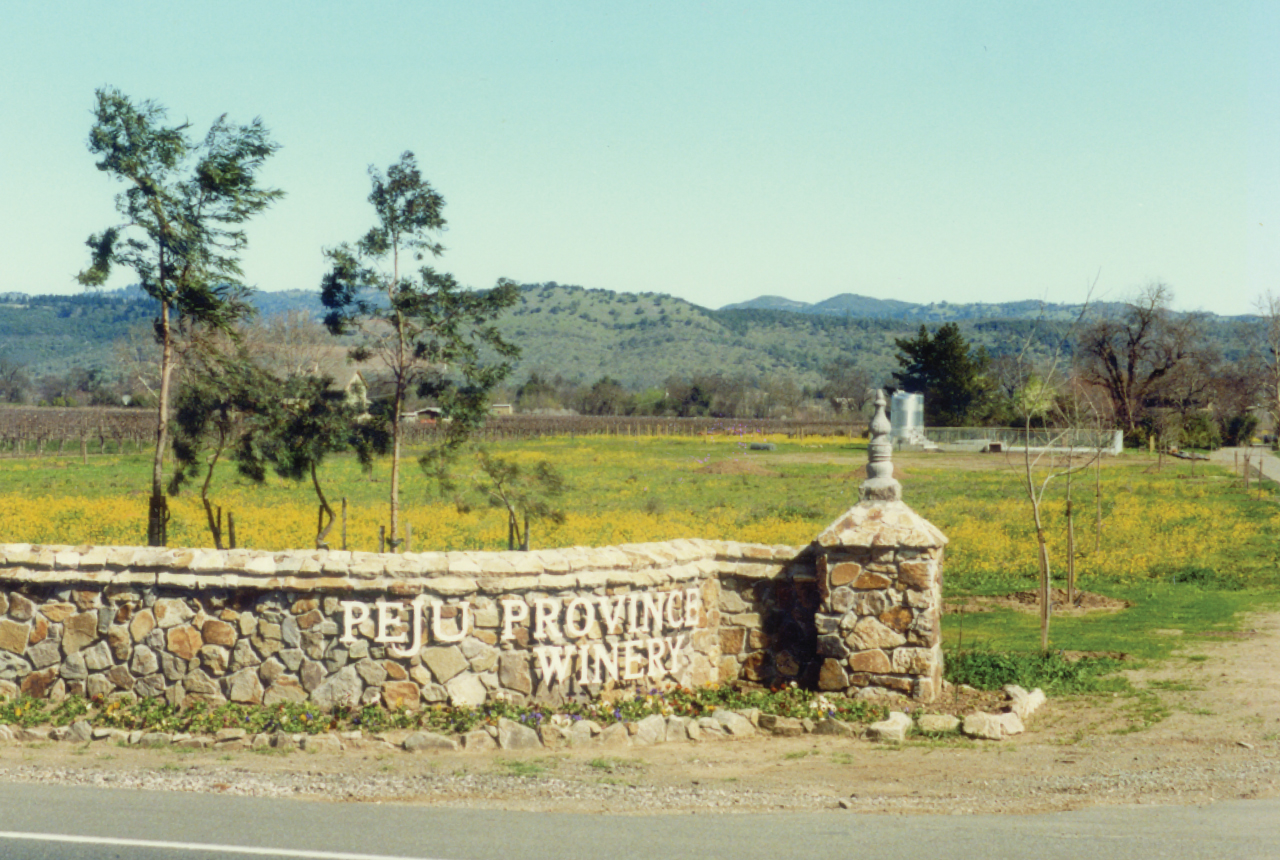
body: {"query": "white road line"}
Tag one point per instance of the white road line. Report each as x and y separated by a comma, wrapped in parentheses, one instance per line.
(196, 846)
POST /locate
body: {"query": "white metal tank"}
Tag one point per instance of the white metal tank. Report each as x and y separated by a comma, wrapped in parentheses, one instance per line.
(906, 417)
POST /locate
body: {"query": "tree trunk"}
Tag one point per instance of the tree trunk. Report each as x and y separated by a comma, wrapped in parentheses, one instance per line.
(1097, 496)
(395, 474)
(1071, 528)
(326, 516)
(1046, 595)
(1071, 556)
(215, 521)
(158, 513)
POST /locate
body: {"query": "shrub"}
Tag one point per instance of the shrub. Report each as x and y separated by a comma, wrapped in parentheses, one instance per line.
(1052, 672)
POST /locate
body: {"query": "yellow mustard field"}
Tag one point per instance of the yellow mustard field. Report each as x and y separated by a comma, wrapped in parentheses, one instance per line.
(1156, 523)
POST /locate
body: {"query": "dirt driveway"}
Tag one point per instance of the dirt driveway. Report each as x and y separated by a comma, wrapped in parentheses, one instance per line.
(1205, 726)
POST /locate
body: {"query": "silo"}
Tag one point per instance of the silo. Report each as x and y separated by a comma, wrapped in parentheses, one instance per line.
(906, 415)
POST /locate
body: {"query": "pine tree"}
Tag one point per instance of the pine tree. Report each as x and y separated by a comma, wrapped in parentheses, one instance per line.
(951, 376)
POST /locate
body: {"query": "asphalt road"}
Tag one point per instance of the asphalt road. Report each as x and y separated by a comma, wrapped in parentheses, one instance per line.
(114, 823)
(1260, 458)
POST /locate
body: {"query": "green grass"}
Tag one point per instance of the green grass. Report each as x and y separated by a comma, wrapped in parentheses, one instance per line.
(527, 767)
(991, 670)
(609, 764)
(1195, 610)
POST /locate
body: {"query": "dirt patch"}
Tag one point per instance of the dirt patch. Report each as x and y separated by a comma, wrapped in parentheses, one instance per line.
(860, 475)
(1029, 601)
(737, 467)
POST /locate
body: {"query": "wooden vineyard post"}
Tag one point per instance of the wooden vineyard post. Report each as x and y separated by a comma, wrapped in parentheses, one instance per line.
(1071, 557)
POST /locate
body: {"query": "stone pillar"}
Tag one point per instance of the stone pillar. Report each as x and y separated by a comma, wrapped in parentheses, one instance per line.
(879, 571)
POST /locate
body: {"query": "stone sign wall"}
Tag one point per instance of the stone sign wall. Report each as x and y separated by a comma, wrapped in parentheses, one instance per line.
(399, 630)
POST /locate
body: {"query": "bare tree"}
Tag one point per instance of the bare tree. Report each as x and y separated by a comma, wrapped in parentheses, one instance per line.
(847, 386)
(1049, 398)
(1134, 356)
(1268, 307)
(293, 343)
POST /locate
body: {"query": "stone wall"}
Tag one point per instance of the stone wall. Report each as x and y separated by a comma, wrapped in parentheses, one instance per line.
(768, 632)
(401, 630)
(880, 620)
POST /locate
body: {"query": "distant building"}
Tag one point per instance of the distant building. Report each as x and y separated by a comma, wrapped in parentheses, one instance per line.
(347, 378)
(906, 418)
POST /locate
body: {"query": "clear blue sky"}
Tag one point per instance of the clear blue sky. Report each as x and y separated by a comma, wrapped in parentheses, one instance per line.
(926, 151)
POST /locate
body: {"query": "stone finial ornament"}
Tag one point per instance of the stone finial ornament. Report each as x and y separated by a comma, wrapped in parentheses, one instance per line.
(880, 485)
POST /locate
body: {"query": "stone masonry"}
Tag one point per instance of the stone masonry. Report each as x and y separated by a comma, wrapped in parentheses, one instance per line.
(879, 571)
(404, 631)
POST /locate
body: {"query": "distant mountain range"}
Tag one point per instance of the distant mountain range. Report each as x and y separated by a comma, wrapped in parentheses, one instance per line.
(852, 305)
(640, 339)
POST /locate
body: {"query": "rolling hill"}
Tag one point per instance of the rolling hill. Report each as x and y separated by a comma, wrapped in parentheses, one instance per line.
(582, 334)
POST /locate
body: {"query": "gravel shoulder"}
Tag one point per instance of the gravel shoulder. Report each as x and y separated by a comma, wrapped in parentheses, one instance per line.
(1205, 726)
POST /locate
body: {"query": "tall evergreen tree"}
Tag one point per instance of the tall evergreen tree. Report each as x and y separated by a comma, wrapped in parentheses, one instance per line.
(183, 206)
(951, 376)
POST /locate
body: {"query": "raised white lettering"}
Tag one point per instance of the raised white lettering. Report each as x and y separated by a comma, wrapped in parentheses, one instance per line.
(415, 626)
(545, 610)
(692, 606)
(674, 613)
(639, 618)
(555, 662)
(438, 633)
(651, 616)
(611, 612)
(633, 625)
(354, 613)
(579, 606)
(513, 612)
(675, 647)
(607, 659)
(657, 647)
(631, 659)
(390, 615)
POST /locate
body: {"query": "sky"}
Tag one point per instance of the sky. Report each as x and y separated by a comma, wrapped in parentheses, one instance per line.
(715, 151)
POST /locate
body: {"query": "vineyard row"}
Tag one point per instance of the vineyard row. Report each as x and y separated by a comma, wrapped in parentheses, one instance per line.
(37, 431)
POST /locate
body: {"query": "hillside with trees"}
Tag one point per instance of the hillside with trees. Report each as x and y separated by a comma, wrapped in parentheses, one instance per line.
(639, 340)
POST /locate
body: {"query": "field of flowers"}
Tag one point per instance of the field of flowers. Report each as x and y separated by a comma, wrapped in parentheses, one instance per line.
(1157, 524)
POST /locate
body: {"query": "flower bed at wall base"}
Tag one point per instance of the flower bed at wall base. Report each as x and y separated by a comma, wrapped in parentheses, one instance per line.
(131, 714)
